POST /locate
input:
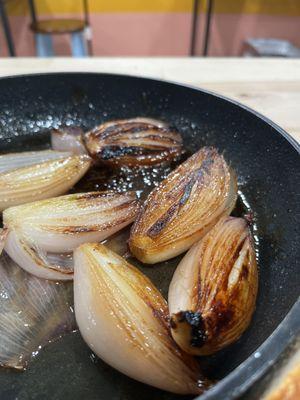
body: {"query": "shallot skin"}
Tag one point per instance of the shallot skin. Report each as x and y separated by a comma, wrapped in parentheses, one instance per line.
(68, 138)
(33, 312)
(41, 181)
(124, 320)
(63, 223)
(12, 161)
(38, 232)
(134, 142)
(184, 207)
(213, 291)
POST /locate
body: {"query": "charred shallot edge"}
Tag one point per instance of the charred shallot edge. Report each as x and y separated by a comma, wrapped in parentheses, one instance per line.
(133, 142)
(184, 207)
(124, 319)
(42, 180)
(213, 291)
(40, 235)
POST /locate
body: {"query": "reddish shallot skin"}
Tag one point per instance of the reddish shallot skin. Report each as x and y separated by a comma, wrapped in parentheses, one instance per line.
(184, 207)
(213, 291)
(133, 143)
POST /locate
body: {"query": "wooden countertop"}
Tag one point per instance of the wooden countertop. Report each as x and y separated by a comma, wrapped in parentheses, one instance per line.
(270, 86)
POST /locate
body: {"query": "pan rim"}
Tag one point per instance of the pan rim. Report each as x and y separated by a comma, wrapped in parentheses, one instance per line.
(268, 121)
(256, 365)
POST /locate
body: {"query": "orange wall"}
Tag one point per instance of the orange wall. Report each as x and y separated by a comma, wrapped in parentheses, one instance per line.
(163, 33)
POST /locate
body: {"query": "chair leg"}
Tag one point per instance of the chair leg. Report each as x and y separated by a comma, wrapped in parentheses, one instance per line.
(79, 48)
(44, 45)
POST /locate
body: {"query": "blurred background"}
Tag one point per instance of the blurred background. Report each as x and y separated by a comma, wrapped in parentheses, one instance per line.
(150, 28)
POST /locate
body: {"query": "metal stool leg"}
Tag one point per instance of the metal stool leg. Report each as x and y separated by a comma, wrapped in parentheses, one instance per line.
(6, 28)
(79, 48)
(44, 45)
(210, 4)
(194, 28)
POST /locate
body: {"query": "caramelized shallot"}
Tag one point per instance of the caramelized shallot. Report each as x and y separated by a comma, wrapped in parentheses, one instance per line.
(213, 291)
(184, 207)
(41, 181)
(124, 319)
(60, 224)
(133, 142)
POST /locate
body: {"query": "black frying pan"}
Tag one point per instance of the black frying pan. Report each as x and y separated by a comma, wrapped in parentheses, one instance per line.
(267, 162)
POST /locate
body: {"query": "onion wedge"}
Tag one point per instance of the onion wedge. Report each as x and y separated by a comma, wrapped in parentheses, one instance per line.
(184, 207)
(29, 256)
(61, 224)
(213, 291)
(124, 319)
(3, 236)
(32, 313)
(12, 161)
(68, 138)
(133, 142)
(41, 181)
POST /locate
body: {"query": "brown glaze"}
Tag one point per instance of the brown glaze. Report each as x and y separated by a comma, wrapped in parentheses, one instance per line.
(223, 297)
(160, 224)
(133, 143)
(196, 177)
(185, 205)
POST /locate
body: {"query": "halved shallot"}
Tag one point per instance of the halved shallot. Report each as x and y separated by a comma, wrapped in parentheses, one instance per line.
(60, 224)
(3, 236)
(124, 319)
(32, 312)
(213, 291)
(68, 138)
(41, 181)
(184, 207)
(12, 161)
(29, 256)
(134, 142)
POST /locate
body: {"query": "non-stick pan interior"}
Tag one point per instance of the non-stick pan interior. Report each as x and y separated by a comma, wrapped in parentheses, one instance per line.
(268, 169)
